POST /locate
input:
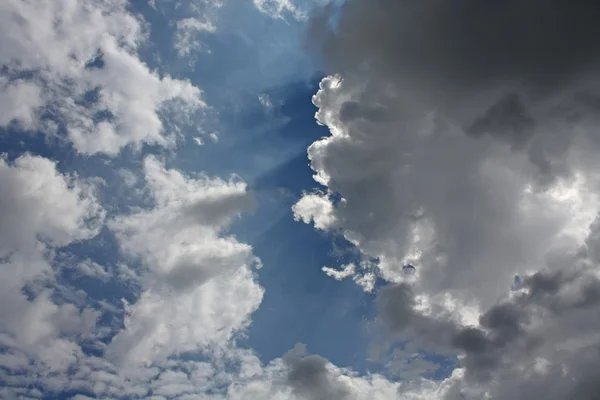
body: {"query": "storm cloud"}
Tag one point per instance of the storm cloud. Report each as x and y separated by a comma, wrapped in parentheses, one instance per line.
(464, 142)
(464, 42)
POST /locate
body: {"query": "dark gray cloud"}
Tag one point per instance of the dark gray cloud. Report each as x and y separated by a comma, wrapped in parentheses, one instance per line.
(463, 42)
(470, 60)
(352, 110)
(504, 320)
(563, 297)
(484, 346)
(508, 118)
(429, 97)
(396, 304)
(309, 377)
(564, 300)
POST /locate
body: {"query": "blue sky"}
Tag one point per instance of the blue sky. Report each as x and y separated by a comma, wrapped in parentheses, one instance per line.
(219, 199)
(258, 82)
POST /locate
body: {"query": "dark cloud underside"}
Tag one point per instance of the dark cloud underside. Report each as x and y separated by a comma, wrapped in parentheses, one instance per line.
(464, 42)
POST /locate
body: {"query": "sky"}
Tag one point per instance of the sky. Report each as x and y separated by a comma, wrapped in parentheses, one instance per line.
(299, 200)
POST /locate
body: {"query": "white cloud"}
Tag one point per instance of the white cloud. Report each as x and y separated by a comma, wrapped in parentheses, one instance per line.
(19, 101)
(93, 269)
(41, 205)
(41, 210)
(279, 8)
(300, 376)
(469, 211)
(315, 208)
(346, 272)
(47, 48)
(266, 102)
(129, 177)
(187, 35)
(442, 200)
(199, 288)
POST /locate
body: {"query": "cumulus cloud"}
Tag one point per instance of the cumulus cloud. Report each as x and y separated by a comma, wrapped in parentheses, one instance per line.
(461, 144)
(302, 376)
(433, 182)
(71, 66)
(39, 204)
(199, 287)
(317, 208)
(459, 148)
(41, 209)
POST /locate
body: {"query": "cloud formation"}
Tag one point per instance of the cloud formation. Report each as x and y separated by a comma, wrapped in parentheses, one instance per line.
(41, 210)
(71, 68)
(199, 285)
(462, 166)
(461, 144)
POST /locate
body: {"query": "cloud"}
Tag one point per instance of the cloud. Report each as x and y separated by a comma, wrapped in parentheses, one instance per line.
(545, 332)
(93, 269)
(310, 377)
(199, 287)
(315, 208)
(470, 187)
(463, 147)
(465, 44)
(72, 66)
(298, 375)
(186, 36)
(279, 8)
(508, 118)
(417, 189)
(42, 209)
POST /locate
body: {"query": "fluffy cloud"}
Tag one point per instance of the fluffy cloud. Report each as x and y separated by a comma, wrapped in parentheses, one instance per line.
(41, 210)
(317, 208)
(471, 164)
(420, 191)
(39, 204)
(72, 66)
(295, 376)
(199, 287)
(468, 150)
(301, 376)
